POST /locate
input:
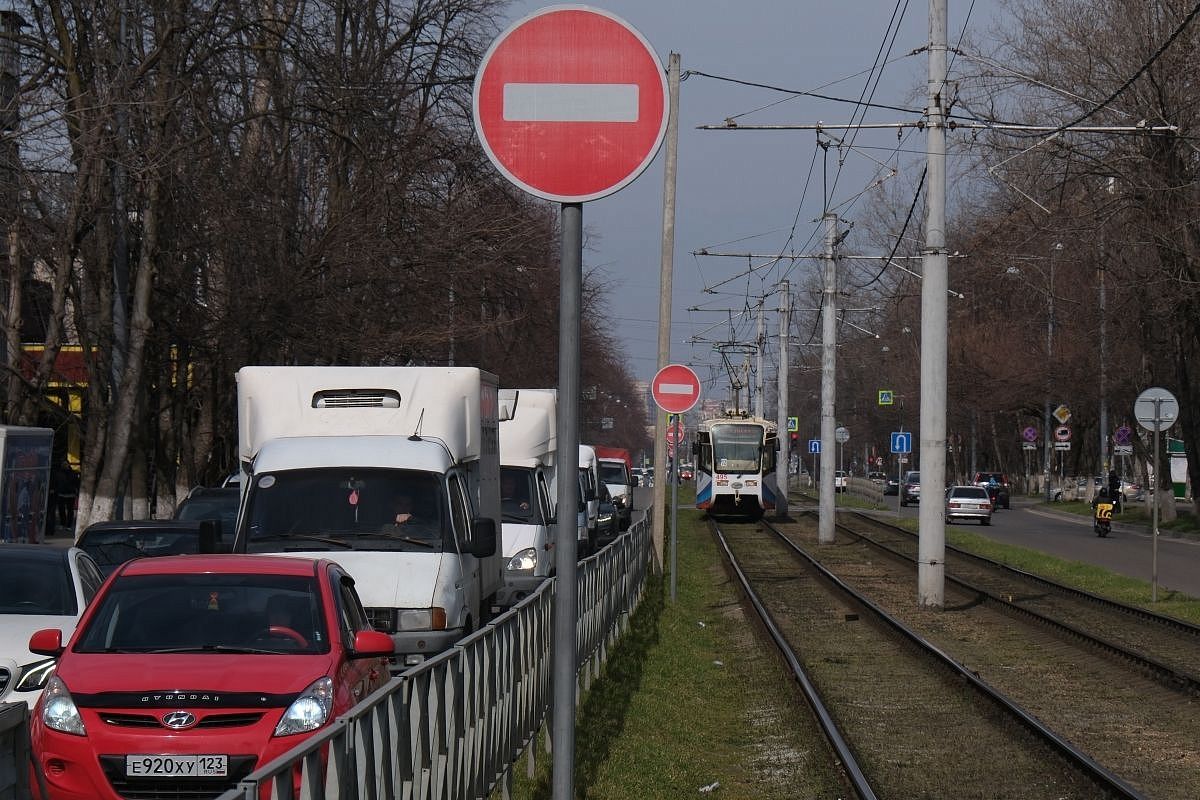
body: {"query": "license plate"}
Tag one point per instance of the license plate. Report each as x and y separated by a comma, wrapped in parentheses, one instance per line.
(152, 766)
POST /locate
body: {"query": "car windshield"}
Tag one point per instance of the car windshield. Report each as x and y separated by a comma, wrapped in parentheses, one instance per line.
(208, 613)
(347, 508)
(36, 586)
(737, 448)
(110, 548)
(201, 507)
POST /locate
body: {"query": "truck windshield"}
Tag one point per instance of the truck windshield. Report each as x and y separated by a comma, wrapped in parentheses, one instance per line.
(346, 508)
(737, 448)
(518, 497)
(613, 472)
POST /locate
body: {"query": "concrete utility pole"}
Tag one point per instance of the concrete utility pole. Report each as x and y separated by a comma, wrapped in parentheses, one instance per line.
(781, 413)
(827, 511)
(664, 304)
(760, 343)
(931, 574)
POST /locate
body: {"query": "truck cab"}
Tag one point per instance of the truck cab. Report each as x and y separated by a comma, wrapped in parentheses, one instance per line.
(528, 440)
(589, 474)
(392, 470)
(614, 464)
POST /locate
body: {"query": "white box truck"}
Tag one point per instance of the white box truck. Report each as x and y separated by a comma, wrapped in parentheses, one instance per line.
(391, 471)
(528, 440)
(25, 455)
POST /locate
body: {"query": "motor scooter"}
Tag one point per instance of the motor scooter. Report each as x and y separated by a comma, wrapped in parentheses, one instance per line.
(1102, 521)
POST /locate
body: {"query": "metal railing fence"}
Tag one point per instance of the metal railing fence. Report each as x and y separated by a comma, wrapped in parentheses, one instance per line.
(454, 726)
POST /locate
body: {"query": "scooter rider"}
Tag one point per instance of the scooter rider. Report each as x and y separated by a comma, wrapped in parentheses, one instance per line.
(1102, 511)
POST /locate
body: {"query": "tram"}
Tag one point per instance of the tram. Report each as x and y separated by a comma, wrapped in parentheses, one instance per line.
(735, 466)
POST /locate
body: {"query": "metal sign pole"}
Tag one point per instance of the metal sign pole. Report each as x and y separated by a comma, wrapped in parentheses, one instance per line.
(674, 501)
(570, 301)
(1154, 513)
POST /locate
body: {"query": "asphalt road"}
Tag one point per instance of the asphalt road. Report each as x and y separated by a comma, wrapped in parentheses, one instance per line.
(1126, 551)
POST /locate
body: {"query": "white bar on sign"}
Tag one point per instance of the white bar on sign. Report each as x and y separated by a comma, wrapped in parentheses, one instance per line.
(571, 102)
(676, 388)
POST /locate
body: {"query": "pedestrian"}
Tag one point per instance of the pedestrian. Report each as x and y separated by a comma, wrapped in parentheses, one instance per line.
(66, 489)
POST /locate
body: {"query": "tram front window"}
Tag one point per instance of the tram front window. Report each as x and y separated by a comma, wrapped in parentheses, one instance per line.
(737, 448)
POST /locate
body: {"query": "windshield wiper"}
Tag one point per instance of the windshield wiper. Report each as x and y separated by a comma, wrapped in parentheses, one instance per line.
(397, 537)
(214, 648)
(301, 536)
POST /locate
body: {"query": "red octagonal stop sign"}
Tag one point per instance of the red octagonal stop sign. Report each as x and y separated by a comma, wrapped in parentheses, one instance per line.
(570, 103)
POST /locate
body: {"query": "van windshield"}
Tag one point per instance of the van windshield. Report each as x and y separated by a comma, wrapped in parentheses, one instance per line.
(346, 508)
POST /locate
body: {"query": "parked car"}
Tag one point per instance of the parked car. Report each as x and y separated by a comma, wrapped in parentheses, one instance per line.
(969, 502)
(40, 587)
(111, 544)
(1000, 487)
(910, 489)
(268, 648)
(206, 502)
(608, 519)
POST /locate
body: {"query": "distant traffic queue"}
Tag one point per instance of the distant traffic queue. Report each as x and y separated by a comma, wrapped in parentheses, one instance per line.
(735, 466)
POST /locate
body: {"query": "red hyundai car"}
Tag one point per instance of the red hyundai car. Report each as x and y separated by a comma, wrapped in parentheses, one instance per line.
(188, 672)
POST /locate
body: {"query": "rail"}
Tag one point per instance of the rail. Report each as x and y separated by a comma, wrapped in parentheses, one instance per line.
(455, 725)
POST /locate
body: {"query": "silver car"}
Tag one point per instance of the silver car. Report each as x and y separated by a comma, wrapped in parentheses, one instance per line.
(968, 502)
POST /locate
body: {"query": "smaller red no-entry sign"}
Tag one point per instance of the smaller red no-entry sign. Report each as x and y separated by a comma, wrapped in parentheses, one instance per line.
(675, 388)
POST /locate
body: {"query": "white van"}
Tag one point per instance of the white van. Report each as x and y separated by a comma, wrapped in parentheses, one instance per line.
(391, 471)
(528, 436)
(589, 472)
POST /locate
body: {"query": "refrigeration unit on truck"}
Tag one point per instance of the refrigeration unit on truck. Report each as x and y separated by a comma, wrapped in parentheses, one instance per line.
(528, 439)
(615, 464)
(392, 471)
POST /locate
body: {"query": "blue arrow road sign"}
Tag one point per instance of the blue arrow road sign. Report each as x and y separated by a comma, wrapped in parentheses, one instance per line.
(814, 445)
(901, 441)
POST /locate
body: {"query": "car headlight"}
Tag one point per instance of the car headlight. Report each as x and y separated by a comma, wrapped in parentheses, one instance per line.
(422, 619)
(524, 561)
(309, 711)
(35, 675)
(58, 709)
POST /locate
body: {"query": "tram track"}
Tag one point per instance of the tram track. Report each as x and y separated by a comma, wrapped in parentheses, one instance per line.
(1127, 717)
(1164, 647)
(904, 718)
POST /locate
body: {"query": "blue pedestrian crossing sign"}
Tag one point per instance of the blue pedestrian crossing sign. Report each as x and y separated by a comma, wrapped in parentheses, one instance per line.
(814, 446)
(793, 424)
(901, 441)
(886, 397)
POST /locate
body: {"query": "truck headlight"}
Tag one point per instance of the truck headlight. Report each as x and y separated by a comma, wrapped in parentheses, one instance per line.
(524, 561)
(309, 711)
(421, 619)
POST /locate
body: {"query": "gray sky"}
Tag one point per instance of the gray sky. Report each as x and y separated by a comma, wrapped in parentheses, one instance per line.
(744, 191)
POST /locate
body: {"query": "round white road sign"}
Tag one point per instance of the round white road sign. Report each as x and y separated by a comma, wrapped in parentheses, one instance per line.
(1156, 409)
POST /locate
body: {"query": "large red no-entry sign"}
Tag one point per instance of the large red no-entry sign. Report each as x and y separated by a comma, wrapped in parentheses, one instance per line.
(675, 388)
(571, 103)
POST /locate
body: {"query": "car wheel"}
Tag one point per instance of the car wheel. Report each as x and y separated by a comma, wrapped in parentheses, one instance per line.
(985, 521)
(903, 503)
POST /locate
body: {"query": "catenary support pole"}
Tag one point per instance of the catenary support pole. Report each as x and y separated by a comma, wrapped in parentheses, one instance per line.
(658, 519)
(570, 303)
(781, 412)
(759, 344)
(934, 283)
(826, 511)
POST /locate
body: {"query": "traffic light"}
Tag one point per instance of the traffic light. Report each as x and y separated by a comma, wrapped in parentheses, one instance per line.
(795, 438)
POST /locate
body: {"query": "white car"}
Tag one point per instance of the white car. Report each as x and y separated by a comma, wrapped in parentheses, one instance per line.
(840, 481)
(41, 586)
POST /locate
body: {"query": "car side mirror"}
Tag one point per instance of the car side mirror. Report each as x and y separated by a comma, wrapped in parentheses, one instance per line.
(368, 644)
(47, 642)
(484, 542)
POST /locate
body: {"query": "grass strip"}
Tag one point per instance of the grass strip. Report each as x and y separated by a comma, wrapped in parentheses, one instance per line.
(690, 700)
